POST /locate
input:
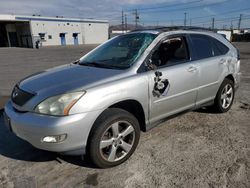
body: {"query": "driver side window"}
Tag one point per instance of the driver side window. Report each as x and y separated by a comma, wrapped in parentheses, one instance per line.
(171, 51)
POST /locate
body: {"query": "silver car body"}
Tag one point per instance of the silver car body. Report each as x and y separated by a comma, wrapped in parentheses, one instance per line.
(193, 84)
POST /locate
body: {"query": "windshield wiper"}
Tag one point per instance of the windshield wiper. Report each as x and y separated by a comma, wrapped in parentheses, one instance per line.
(95, 64)
(102, 65)
(92, 64)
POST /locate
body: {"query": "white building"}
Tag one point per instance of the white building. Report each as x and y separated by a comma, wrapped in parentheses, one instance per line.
(115, 33)
(24, 31)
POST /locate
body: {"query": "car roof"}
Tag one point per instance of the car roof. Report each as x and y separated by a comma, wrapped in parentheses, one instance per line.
(159, 30)
(165, 31)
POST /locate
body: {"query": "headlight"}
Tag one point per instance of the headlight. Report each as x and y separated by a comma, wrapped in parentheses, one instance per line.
(59, 105)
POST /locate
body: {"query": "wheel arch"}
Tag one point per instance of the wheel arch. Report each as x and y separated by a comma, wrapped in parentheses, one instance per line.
(230, 77)
(135, 108)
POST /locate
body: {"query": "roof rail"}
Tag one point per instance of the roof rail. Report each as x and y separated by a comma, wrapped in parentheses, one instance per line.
(173, 28)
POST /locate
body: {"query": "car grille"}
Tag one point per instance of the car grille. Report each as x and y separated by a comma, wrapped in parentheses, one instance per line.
(20, 97)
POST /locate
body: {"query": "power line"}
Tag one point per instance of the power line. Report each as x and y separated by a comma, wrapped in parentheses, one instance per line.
(185, 8)
(223, 20)
(222, 13)
(167, 6)
(194, 18)
(203, 24)
(151, 10)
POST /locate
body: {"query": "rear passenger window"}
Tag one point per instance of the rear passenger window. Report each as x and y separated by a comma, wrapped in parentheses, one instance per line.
(202, 46)
(218, 47)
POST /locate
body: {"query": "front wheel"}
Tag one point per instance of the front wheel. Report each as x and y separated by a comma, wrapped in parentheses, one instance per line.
(114, 138)
(225, 96)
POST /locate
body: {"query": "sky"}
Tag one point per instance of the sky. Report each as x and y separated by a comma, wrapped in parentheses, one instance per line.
(226, 13)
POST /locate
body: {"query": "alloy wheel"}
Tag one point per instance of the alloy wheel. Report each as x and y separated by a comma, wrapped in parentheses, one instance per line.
(226, 96)
(117, 141)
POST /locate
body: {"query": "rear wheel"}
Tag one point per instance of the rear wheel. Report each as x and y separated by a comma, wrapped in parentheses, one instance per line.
(114, 138)
(225, 96)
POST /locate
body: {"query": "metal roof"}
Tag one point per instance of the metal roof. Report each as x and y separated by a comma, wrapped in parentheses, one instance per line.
(43, 18)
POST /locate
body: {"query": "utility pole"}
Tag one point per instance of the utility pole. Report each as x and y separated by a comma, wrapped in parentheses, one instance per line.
(190, 24)
(126, 23)
(232, 26)
(185, 19)
(136, 18)
(240, 19)
(122, 22)
(213, 23)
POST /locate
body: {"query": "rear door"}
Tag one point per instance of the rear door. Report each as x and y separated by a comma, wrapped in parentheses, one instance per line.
(210, 67)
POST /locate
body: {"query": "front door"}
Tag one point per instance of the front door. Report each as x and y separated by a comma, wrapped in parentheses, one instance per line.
(173, 85)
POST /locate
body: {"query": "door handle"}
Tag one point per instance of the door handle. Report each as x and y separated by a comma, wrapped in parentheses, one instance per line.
(192, 69)
(222, 61)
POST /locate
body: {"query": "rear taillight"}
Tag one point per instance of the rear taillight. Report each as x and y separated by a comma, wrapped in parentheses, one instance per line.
(238, 54)
(238, 61)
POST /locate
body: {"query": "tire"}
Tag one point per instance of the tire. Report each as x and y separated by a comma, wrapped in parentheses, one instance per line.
(109, 145)
(224, 98)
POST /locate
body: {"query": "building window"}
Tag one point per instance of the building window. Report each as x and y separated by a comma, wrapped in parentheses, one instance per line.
(42, 36)
(50, 36)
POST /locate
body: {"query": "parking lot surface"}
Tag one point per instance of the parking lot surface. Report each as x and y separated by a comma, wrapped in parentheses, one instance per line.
(197, 149)
(17, 63)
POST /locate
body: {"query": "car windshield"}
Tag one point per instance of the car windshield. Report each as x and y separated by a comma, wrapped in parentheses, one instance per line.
(119, 53)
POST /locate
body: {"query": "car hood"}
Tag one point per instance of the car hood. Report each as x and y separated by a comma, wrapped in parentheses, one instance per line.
(67, 78)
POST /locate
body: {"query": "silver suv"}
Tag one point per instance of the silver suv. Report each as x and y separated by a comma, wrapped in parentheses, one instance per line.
(99, 104)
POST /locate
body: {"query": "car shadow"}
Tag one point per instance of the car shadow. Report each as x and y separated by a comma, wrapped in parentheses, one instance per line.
(206, 110)
(15, 148)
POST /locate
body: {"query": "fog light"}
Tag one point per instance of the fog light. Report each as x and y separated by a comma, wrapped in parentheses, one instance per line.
(54, 139)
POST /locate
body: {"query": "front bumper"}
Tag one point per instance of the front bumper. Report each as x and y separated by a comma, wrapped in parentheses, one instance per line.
(34, 127)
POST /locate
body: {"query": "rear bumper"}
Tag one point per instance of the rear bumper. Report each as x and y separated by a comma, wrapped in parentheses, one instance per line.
(237, 77)
(34, 127)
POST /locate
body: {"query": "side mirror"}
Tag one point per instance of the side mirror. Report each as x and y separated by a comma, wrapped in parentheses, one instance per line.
(150, 65)
(76, 61)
